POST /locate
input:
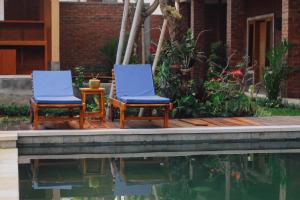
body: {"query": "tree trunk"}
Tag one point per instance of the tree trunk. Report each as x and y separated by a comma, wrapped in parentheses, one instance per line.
(159, 46)
(174, 18)
(133, 31)
(122, 32)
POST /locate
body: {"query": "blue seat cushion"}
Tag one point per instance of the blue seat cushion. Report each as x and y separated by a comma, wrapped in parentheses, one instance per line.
(58, 100)
(144, 99)
(134, 80)
(52, 83)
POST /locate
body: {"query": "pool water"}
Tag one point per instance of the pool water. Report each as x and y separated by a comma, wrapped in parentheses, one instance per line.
(205, 177)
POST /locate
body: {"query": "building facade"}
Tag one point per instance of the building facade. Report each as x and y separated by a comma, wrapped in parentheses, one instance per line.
(250, 28)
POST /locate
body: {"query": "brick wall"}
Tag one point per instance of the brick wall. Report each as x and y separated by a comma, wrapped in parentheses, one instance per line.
(86, 27)
(156, 23)
(290, 31)
(236, 29)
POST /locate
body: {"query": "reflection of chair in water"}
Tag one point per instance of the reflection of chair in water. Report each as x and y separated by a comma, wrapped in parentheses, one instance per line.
(53, 174)
(137, 176)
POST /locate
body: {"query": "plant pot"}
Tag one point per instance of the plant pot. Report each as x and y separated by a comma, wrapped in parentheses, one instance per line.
(186, 72)
(94, 83)
(174, 68)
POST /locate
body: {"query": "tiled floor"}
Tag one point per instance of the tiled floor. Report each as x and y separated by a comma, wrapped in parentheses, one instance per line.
(9, 179)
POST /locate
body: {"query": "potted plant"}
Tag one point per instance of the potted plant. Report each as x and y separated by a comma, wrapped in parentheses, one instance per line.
(187, 53)
(94, 82)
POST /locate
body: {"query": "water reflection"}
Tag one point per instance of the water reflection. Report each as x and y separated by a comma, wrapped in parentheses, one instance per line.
(228, 177)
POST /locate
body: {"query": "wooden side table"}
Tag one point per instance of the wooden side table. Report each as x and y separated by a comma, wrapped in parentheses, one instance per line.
(100, 92)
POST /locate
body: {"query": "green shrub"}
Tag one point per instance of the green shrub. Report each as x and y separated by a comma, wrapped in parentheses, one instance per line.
(225, 94)
(278, 71)
(79, 76)
(14, 110)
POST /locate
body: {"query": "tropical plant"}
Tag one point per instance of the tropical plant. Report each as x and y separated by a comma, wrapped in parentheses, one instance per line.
(277, 71)
(166, 83)
(184, 53)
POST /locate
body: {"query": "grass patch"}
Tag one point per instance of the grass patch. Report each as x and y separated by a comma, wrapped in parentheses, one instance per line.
(282, 111)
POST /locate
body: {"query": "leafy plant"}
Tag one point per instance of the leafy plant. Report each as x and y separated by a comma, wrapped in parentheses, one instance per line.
(109, 51)
(166, 83)
(184, 53)
(217, 59)
(14, 110)
(278, 70)
(79, 76)
(225, 93)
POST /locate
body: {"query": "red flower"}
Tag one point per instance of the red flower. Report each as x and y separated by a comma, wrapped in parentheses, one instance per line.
(237, 72)
(153, 48)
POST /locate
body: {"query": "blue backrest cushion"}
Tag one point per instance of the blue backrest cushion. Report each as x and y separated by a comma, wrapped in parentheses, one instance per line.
(134, 80)
(52, 83)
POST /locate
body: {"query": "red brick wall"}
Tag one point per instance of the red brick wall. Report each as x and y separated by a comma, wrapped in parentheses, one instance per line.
(86, 27)
(290, 31)
(156, 25)
(236, 30)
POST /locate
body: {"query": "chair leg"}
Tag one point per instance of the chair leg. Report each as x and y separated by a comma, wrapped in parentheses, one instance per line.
(122, 117)
(166, 116)
(31, 115)
(81, 117)
(35, 116)
(111, 112)
(71, 112)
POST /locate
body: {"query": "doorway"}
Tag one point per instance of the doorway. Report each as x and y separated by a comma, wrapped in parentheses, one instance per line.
(260, 41)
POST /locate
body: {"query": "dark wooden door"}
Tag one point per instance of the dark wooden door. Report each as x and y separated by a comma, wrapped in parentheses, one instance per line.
(8, 62)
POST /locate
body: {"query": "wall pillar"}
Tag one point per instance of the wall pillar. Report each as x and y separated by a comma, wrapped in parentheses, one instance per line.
(55, 55)
(1, 10)
(290, 31)
(236, 30)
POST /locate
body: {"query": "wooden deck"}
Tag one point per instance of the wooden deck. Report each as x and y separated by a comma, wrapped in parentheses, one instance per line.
(178, 123)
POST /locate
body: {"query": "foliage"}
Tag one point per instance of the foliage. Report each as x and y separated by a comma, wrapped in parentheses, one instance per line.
(187, 104)
(216, 59)
(14, 110)
(278, 70)
(184, 53)
(264, 109)
(109, 51)
(79, 76)
(225, 94)
(182, 94)
(166, 83)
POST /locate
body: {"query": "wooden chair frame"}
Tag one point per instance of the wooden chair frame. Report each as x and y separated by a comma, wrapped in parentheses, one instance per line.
(34, 109)
(115, 103)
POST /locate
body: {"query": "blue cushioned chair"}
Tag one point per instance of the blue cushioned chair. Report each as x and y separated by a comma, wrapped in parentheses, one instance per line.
(53, 89)
(134, 88)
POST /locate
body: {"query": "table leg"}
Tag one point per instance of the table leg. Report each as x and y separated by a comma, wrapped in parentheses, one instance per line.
(102, 109)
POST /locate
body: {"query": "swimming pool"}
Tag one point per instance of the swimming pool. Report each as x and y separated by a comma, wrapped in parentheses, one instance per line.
(250, 176)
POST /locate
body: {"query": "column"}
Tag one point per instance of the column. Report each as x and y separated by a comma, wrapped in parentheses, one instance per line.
(1, 10)
(236, 30)
(55, 61)
(290, 31)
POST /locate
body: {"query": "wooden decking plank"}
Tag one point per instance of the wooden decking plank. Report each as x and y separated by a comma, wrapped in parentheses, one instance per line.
(195, 122)
(213, 122)
(235, 122)
(247, 121)
(179, 123)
